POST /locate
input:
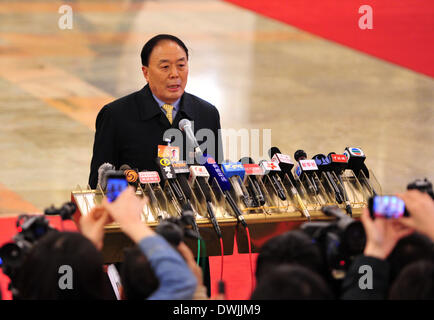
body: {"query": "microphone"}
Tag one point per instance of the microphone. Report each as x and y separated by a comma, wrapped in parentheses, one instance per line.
(339, 162)
(185, 125)
(306, 167)
(324, 165)
(150, 177)
(252, 170)
(168, 174)
(181, 170)
(271, 169)
(235, 172)
(286, 164)
(215, 173)
(102, 174)
(356, 158)
(131, 175)
(200, 174)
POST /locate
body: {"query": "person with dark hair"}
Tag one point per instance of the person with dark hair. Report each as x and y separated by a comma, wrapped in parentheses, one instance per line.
(137, 277)
(62, 254)
(129, 129)
(415, 282)
(409, 249)
(291, 282)
(293, 247)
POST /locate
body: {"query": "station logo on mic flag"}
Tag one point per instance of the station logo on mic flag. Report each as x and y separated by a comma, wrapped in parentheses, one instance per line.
(356, 152)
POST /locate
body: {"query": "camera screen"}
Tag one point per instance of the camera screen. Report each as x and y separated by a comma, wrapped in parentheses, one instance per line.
(388, 207)
(115, 186)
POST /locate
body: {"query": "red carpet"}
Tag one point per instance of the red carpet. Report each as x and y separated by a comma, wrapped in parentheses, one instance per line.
(403, 31)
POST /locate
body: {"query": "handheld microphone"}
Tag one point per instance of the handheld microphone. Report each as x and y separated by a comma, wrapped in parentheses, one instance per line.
(215, 173)
(356, 158)
(339, 162)
(102, 174)
(286, 164)
(306, 168)
(324, 165)
(185, 125)
(271, 169)
(200, 174)
(151, 177)
(168, 174)
(181, 170)
(284, 161)
(235, 172)
(252, 170)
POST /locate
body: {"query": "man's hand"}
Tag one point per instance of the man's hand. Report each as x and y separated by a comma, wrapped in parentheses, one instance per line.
(92, 225)
(421, 208)
(382, 235)
(126, 210)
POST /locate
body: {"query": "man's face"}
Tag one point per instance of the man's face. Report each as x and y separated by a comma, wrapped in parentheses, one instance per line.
(167, 71)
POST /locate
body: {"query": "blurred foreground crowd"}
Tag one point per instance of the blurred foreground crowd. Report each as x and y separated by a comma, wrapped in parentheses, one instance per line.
(397, 261)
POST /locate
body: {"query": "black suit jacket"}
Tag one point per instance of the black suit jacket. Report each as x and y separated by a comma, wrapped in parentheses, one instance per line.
(129, 130)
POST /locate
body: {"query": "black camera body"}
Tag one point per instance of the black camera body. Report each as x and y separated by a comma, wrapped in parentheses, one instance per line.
(175, 229)
(340, 240)
(422, 185)
(30, 229)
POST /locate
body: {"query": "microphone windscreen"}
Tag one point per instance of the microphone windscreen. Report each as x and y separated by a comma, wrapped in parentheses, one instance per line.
(102, 178)
(273, 151)
(125, 167)
(246, 160)
(299, 154)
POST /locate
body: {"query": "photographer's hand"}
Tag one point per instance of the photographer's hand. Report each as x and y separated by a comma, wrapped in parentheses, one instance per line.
(126, 210)
(382, 235)
(92, 225)
(421, 208)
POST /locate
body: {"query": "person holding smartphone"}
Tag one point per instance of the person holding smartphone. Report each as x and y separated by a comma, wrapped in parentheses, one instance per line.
(176, 279)
(383, 231)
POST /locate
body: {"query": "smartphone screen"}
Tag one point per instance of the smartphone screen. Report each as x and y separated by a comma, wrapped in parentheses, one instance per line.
(387, 207)
(115, 186)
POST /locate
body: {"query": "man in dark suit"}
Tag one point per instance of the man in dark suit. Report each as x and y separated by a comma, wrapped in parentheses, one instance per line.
(129, 129)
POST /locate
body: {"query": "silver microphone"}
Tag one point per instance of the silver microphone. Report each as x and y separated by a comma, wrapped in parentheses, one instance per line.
(185, 125)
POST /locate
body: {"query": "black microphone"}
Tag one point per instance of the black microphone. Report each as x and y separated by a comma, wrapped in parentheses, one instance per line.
(271, 169)
(167, 173)
(324, 165)
(252, 170)
(151, 177)
(356, 158)
(216, 173)
(306, 169)
(286, 164)
(200, 174)
(339, 162)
